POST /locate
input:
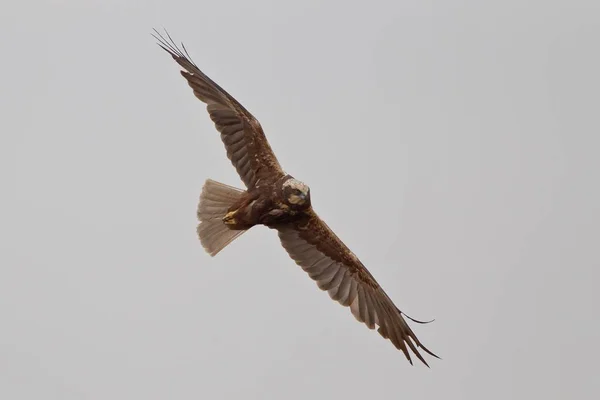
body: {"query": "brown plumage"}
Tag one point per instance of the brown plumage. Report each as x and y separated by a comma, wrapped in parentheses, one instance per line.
(279, 201)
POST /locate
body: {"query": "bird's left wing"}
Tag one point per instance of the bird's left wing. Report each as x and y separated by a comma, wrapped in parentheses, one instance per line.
(327, 260)
(244, 139)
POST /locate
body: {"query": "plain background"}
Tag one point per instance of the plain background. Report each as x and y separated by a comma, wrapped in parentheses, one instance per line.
(453, 145)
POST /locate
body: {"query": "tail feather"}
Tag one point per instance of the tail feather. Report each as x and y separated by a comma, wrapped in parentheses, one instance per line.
(215, 200)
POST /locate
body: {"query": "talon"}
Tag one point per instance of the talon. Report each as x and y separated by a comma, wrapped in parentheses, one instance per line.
(229, 218)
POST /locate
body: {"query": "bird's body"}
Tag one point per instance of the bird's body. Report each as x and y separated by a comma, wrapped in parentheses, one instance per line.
(279, 201)
(271, 204)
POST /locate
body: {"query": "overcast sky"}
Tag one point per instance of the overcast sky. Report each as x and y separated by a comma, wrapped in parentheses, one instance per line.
(452, 145)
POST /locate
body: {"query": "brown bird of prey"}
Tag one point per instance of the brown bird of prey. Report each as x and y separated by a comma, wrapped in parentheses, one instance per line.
(279, 201)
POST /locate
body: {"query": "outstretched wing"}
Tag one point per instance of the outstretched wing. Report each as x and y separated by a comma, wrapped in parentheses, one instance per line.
(327, 260)
(245, 142)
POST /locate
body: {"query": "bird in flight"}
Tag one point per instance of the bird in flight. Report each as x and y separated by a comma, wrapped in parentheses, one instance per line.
(281, 202)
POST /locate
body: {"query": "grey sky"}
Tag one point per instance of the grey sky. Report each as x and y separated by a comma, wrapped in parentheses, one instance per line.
(460, 136)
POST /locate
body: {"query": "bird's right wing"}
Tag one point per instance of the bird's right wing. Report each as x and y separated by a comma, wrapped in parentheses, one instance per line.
(245, 142)
(327, 260)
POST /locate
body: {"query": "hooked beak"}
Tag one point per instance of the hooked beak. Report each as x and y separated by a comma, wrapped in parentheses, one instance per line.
(298, 198)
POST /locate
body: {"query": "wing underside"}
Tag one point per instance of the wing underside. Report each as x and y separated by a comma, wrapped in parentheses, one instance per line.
(245, 142)
(316, 248)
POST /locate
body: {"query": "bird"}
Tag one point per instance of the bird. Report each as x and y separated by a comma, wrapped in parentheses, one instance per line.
(281, 202)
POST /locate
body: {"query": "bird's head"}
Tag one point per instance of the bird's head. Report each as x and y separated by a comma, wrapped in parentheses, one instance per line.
(296, 193)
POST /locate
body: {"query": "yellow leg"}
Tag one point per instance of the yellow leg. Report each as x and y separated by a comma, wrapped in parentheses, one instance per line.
(229, 218)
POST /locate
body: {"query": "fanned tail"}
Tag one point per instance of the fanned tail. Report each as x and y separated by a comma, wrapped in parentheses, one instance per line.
(215, 200)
